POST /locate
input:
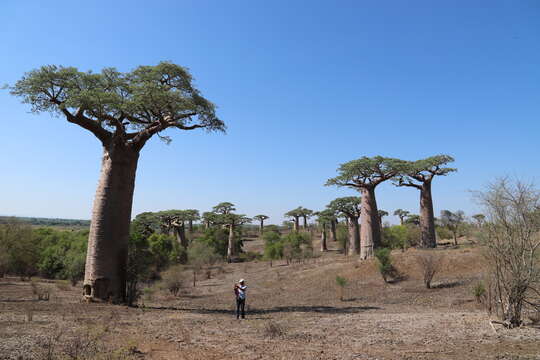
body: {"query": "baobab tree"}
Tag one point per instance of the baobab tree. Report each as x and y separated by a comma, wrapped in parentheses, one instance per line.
(191, 216)
(175, 221)
(364, 175)
(209, 218)
(261, 219)
(401, 214)
(232, 221)
(305, 213)
(123, 111)
(382, 213)
(324, 218)
(419, 175)
(350, 207)
(295, 214)
(224, 208)
(452, 221)
(480, 219)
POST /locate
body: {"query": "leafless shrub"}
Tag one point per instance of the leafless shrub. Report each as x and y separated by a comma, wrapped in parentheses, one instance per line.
(28, 313)
(174, 279)
(273, 330)
(429, 264)
(40, 292)
(512, 228)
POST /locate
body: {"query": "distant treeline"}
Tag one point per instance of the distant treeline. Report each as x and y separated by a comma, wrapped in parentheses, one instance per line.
(44, 221)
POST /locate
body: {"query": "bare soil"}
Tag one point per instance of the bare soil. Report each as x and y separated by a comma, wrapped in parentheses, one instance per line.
(294, 312)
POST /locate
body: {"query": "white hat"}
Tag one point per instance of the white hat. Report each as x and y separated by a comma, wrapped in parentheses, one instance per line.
(241, 280)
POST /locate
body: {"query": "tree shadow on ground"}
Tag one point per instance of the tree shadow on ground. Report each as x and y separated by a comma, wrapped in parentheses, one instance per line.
(447, 285)
(279, 309)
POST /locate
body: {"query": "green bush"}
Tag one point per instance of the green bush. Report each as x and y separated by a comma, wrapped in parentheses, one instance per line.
(341, 283)
(385, 266)
(479, 291)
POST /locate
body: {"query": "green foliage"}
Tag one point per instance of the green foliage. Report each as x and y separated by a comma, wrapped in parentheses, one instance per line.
(367, 171)
(160, 247)
(139, 264)
(479, 291)
(137, 97)
(224, 208)
(348, 206)
(218, 239)
(341, 281)
(21, 249)
(386, 268)
(400, 236)
(342, 235)
(201, 254)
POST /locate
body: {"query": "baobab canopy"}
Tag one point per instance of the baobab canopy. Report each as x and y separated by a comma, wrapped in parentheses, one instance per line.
(136, 104)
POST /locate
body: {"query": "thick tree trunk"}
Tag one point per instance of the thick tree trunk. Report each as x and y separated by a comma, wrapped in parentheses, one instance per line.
(427, 219)
(231, 248)
(323, 238)
(190, 226)
(370, 232)
(207, 225)
(296, 224)
(106, 259)
(261, 227)
(354, 236)
(333, 236)
(305, 223)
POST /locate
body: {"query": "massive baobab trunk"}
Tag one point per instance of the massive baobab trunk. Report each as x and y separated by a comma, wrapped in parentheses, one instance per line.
(180, 232)
(354, 236)
(427, 218)
(231, 248)
(106, 259)
(305, 222)
(190, 226)
(323, 238)
(370, 232)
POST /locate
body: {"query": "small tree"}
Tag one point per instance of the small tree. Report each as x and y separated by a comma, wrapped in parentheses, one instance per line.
(349, 207)
(429, 264)
(386, 268)
(305, 213)
(512, 211)
(401, 214)
(295, 214)
(261, 219)
(341, 283)
(452, 221)
(480, 219)
(201, 256)
(273, 247)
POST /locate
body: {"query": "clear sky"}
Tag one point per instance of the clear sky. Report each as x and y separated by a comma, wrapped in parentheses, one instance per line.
(302, 86)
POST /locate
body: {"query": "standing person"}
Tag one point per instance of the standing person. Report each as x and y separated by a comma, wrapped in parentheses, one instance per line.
(240, 292)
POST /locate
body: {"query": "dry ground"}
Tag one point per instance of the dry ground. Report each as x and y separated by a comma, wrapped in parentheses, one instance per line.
(294, 313)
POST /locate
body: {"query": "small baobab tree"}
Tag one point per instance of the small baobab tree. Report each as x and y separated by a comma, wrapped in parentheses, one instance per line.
(402, 215)
(209, 218)
(419, 175)
(324, 218)
(295, 214)
(364, 175)
(349, 206)
(261, 219)
(382, 213)
(232, 221)
(191, 216)
(480, 219)
(452, 221)
(305, 213)
(175, 221)
(123, 111)
(224, 208)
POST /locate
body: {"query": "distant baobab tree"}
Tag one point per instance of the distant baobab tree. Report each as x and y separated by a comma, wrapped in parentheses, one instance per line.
(305, 213)
(295, 214)
(324, 218)
(224, 208)
(123, 111)
(350, 207)
(401, 214)
(261, 219)
(420, 174)
(364, 175)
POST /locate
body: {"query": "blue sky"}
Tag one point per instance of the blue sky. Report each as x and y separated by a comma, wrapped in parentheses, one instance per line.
(302, 86)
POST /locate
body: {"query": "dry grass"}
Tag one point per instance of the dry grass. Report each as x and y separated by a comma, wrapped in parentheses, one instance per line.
(294, 312)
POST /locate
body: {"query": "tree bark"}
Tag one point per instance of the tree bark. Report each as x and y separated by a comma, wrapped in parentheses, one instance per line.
(354, 236)
(231, 248)
(305, 223)
(180, 232)
(323, 239)
(333, 236)
(190, 226)
(296, 224)
(370, 232)
(427, 219)
(261, 227)
(106, 259)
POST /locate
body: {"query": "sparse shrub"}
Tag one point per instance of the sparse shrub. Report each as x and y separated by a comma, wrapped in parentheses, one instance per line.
(40, 292)
(174, 279)
(273, 330)
(429, 264)
(341, 283)
(385, 266)
(479, 292)
(342, 235)
(62, 285)
(201, 256)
